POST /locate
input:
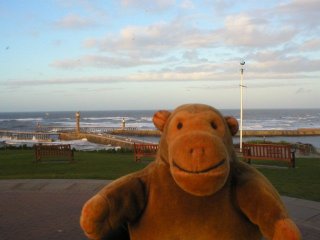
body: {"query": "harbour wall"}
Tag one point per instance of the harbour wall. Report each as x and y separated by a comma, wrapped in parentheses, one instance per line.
(28, 135)
(297, 132)
(247, 133)
(137, 132)
(94, 138)
(124, 142)
(127, 143)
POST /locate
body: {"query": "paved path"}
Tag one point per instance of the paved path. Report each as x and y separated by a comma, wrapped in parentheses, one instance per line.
(50, 209)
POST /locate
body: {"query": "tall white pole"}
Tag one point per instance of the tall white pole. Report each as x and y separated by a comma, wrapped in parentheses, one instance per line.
(241, 106)
(241, 102)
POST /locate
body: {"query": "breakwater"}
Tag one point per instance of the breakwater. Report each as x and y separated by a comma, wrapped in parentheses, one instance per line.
(284, 133)
(127, 143)
(99, 139)
(121, 137)
(28, 135)
(247, 133)
(143, 132)
(92, 129)
(137, 132)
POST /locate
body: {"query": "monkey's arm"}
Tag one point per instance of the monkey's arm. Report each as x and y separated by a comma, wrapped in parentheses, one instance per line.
(261, 203)
(105, 215)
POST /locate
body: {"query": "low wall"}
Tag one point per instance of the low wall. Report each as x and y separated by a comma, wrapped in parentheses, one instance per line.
(126, 144)
(248, 133)
(94, 138)
(137, 132)
(297, 132)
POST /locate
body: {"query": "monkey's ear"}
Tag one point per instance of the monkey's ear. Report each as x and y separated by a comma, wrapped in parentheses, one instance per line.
(160, 118)
(232, 124)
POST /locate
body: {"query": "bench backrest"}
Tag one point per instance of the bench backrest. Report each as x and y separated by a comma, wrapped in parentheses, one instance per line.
(145, 148)
(270, 151)
(53, 150)
(142, 149)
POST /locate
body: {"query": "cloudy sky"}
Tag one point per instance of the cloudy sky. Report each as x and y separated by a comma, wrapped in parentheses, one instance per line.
(130, 54)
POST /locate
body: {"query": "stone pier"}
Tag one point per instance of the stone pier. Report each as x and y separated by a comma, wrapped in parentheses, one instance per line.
(99, 139)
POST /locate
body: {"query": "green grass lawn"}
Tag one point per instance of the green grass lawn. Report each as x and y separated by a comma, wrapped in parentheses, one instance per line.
(19, 164)
(301, 182)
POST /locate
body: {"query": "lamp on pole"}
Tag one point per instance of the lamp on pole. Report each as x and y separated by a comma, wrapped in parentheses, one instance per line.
(242, 63)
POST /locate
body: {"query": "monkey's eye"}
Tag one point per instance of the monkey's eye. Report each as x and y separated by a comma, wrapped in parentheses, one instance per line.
(214, 125)
(179, 125)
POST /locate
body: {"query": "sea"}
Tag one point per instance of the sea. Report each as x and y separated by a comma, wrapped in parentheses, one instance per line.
(253, 119)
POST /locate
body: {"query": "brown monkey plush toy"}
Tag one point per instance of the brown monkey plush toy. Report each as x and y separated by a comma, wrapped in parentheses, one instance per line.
(196, 189)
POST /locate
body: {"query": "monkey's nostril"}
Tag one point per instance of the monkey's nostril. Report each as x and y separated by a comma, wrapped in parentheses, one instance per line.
(197, 152)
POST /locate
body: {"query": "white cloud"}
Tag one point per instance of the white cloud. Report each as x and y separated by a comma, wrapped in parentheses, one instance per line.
(311, 45)
(193, 56)
(100, 61)
(153, 40)
(90, 7)
(187, 4)
(74, 21)
(245, 31)
(282, 61)
(303, 91)
(301, 13)
(154, 5)
(62, 81)
(57, 43)
(178, 50)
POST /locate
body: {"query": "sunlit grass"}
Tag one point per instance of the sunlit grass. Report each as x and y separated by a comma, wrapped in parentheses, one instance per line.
(19, 164)
(301, 182)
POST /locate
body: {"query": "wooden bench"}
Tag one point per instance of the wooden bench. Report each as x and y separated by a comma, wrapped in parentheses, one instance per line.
(53, 151)
(144, 150)
(277, 152)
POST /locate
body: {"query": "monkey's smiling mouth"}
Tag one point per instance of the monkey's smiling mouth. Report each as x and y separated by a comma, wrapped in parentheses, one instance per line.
(200, 171)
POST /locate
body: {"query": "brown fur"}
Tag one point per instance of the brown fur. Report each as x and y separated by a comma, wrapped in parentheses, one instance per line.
(195, 189)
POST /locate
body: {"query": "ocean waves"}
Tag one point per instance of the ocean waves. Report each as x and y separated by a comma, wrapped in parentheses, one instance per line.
(253, 119)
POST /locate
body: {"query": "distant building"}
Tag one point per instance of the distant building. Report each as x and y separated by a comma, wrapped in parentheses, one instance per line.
(123, 123)
(77, 122)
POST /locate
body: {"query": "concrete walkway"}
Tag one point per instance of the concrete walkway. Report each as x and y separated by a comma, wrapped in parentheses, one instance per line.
(50, 209)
